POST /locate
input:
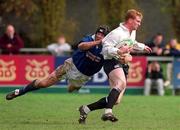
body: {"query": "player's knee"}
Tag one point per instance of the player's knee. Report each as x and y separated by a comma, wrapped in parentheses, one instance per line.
(120, 84)
(72, 88)
(43, 84)
(69, 89)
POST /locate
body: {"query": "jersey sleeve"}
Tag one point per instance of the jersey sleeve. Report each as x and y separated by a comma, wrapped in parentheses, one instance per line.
(109, 43)
(86, 39)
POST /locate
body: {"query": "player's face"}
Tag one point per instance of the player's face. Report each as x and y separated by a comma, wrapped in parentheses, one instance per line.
(136, 22)
(99, 36)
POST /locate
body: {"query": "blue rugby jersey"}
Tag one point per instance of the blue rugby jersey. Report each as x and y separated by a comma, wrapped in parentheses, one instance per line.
(90, 61)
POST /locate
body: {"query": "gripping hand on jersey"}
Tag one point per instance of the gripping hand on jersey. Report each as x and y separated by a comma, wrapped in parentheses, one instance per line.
(124, 54)
(125, 58)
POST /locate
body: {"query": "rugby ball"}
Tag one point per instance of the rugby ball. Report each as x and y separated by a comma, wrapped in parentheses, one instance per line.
(128, 42)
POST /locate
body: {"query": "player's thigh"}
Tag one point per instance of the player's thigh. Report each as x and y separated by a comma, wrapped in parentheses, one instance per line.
(54, 77)
(77, 79)
(117, 78)
(64, 68)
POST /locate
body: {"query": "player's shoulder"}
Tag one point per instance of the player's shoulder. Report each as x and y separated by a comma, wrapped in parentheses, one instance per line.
(88, 37)
(117, 32)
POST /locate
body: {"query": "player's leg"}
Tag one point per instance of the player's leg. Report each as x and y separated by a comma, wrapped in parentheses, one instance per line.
(102, 103)
(37, 84)
(72, 88)
(125, 69)
(117, 80)
(75, 78)
(85, 109)
(105, 102)
(120, 97)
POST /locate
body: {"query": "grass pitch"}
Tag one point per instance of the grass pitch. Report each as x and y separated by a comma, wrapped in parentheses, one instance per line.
(37, 111)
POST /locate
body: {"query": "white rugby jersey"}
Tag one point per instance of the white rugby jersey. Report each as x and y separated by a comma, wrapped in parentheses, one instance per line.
(116, 37)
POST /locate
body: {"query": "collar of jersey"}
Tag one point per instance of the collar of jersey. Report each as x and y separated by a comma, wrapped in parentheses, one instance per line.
(123, 27)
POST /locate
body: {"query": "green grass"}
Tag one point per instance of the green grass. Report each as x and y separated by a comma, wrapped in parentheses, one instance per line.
(37, 111)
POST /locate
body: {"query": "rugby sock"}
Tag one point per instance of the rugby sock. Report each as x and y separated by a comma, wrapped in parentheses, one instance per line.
(112, 97)
(108, 110)
(28, 88)
(98, 105)
(86, 109)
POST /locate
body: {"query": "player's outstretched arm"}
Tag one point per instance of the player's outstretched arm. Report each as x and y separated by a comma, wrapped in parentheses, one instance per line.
(139, 47)
(87, 45)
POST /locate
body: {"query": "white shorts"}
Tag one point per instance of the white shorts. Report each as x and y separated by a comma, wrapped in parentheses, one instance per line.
(73, 75)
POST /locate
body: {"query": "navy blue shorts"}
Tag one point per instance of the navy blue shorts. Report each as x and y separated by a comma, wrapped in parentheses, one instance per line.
(112, 64)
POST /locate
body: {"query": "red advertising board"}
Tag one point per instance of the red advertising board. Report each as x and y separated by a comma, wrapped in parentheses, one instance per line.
(137, 72)
(19, 70)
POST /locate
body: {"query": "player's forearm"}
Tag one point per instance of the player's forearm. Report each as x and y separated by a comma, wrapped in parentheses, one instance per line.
(137, 46)
(110, 51)
(87, 45)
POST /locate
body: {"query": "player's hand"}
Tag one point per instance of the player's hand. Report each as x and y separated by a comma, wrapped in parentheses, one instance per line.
(122, 60)
(98, 42)
(125, 58)
(128, 58)
(147, 49)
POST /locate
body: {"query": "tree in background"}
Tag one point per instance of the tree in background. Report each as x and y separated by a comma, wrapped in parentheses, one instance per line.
(45, 19)
(173, 7)
(53, 17)
(23, 8)
(111, 12)
(22, 15)
(176, 17)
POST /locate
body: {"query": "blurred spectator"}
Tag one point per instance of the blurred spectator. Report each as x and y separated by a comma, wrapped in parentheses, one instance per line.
(10, 42)
(60, 48)
(154, 78)
(172, 48)
(157, 44)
